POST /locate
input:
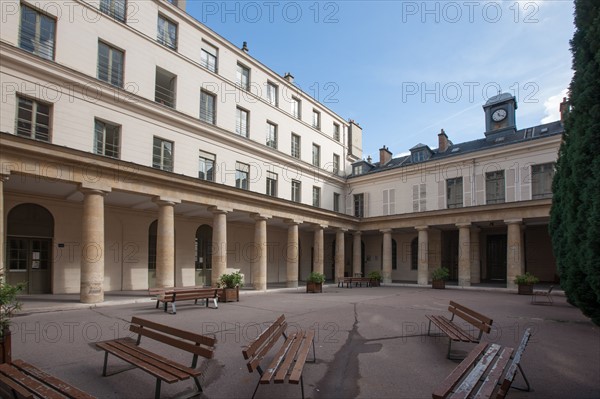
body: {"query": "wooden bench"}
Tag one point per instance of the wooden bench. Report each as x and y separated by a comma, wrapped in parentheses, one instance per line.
(287, 362)
(158, 366)
(487, 372)
(172, 295)
(20, 380)
(453, 331)
(356, 280)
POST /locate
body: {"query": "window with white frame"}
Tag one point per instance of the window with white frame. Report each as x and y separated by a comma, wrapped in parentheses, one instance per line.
(114, 9)
(162, 154)
(107, 139)
(37, 33)
(389, 201)
(207, 107)
(164, 89)
(359, 205)
(167, 32)
(316, 119)
(243, 77)
(494, 187)
(336, 164)
(241, 122)
(419, 197)
(110, 64)
(336, 202)
(208, 57)
(242, 175)
(316, 155)
(206, 166)
(541, 180)
(336, 131)
(296, 191)
(295, 150)
(272, 94)
(33, 119)
(296, 108)
(454, 192)
(272, 135)
(316, 195)
(271, 184)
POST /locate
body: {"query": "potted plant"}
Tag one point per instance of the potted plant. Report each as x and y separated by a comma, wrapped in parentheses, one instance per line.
(374, 278)
(439, 277)
(525, 283)
(315, 282)
(230, 284)
(8, 305)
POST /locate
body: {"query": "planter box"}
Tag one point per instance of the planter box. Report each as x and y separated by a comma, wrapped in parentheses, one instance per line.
(314, 287)
(525, 289)
(438, 284)
(375, 283)
(5, 347)
(229, 294)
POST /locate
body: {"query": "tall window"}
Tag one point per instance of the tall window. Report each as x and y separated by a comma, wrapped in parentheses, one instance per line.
(208, 57)
(296, 188)
(414, 254)
(37, 33)
(271, 184)
(114, 9)
(272, 135)
(316, 194)
(110, 64)
(359, 205)
(167, 32)
(336, 164)
(33, 119)
(164, 89)
(207, 107)
(316, 155)
(336, 202)
(394, 255)
(419, 197)
(541, 180)
(336, 132)
(206, 166)
(296, 108)
(241, 122)
(316, 120)
(242, 174)
(494, 187)
(243, 77)
(162, 154)
(272, 95)
(107, 138)
(454, 192)
(295, 150)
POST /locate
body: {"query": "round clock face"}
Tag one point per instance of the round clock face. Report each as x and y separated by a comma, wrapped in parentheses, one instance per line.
(498, 115)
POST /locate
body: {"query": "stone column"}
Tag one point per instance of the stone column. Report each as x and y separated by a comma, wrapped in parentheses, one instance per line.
(464, 254)
(259, 264)
(219, 244)
(475, 256)
(165, 244)
(92, 250)
(387, 256)
(318, 245)
(356, 254)
(292, 255)
(423, 271)
(3, 179)
(514, 258)
(340, 250)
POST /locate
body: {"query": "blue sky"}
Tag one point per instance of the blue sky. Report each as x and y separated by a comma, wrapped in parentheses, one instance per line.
(406, 69)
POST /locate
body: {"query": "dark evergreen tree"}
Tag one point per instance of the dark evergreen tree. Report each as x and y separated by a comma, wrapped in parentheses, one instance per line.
(575, 214)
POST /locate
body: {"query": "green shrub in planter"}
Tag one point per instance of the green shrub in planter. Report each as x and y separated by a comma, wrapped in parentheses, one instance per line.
(441, 273)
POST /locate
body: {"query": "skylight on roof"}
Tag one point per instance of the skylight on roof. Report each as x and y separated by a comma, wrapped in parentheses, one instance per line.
(455, 149)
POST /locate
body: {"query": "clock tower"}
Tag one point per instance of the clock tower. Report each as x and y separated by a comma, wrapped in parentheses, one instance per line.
(500, 115)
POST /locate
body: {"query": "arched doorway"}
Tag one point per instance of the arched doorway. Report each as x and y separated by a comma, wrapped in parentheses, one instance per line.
(203, 258)
(29, 234)
(152, 239)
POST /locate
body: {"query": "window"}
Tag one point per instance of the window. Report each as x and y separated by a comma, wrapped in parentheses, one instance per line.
(243, 77)
(336, 202)
(110, 64)
(207, 107)
(419, 197)
(454, 192)
(107, 138)
(296, 186)
(162, 154)
(206, 166)
(242, 173)
(37, 33)
(414, 254)
(316, 120)
(419, 156)
(336, 132)
(316, 195)
(114, 9)
(241, 122)
(357, 170)
(316, 155)
(394, 255)
(208, 57)
(296, 108)
(271, 184)
(541, 179)
(359, 205)
(295, 151)
(33, 119)
(272, 135)
(167, 32)
(336, 164)
(164, 89)
(389, 201)
(494, 187)
(272, 95)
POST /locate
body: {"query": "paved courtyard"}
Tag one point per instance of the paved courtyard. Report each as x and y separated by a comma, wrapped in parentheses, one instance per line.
(370, 342)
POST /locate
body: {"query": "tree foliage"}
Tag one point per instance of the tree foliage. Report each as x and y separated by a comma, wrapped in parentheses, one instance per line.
(575, 214)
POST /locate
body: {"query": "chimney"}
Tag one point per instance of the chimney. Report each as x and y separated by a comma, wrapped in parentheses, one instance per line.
(288, 76)
(245, 47)
(385, 156)
(564, 109)
(443, 141)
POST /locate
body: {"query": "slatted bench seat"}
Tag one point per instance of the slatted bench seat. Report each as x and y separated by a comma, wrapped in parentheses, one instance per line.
(21, 380)
(455, 332)
(288, 361)
(173, 295)
(487, 372)
(356, 280)
(158, 366)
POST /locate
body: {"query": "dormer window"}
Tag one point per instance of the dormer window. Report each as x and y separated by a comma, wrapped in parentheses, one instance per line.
(419, 156)
(357, 169)
(420, 153)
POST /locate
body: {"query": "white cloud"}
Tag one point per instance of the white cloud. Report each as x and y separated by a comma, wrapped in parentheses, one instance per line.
(551, 107)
